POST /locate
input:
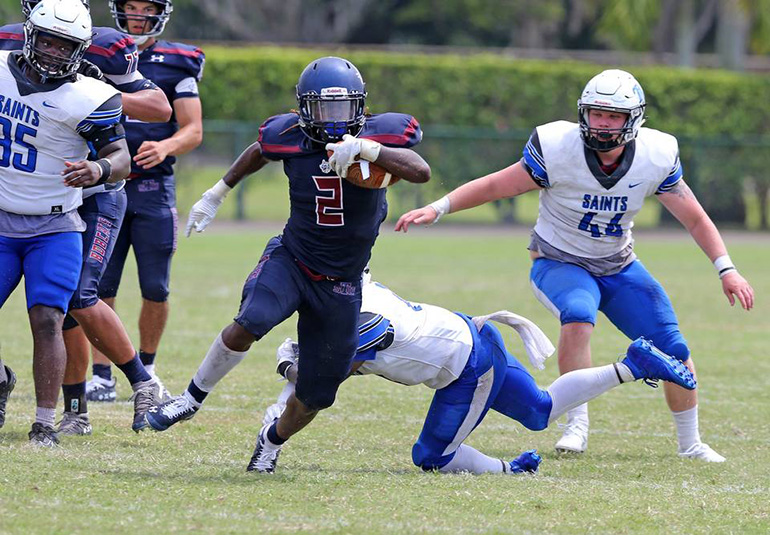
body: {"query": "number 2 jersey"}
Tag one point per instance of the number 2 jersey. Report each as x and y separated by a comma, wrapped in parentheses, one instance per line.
(333, 224)
(583, 211)
(41, 126)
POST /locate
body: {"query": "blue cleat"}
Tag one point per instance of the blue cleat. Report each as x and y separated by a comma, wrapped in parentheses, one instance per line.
(528, 461)
(649, 363)
(161, 417)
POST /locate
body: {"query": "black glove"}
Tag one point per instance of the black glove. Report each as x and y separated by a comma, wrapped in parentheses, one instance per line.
(89, 69)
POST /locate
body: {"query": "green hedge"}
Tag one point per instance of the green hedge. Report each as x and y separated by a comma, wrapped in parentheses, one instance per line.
(485, 90)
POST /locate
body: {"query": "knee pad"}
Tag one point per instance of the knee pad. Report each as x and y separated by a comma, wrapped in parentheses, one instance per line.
(427, 460)
(157, 293)
(676, 346)
(319, 395)
(581, 308)
(69, 323)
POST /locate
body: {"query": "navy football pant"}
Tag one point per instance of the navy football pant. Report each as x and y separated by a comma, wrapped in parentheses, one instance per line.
(103, 214)
(327, 327)
(150, 227)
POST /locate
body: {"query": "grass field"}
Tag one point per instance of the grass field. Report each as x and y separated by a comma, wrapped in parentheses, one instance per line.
(350, 471)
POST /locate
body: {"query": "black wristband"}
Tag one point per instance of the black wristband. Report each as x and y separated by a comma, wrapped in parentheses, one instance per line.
(106, 167)
(283, 368)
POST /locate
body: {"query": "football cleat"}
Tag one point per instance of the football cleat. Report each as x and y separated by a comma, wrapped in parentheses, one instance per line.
(703, 452)
(528, 461)
(43, 436)
(101, 390)
(74, 424)
(163, 392)
(145, 397)
(5, 391)
(265, 455)
(575, 438)
(162, 416)
(649, 363)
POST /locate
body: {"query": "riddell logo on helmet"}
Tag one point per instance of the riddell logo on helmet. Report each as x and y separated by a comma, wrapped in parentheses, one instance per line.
(334, 91)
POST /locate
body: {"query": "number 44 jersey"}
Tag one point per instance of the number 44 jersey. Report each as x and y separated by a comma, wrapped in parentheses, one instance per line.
(583, 211)
(41, 126)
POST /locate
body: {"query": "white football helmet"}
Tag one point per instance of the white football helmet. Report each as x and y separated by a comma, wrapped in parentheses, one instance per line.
(611, 90)
(68, 20)
(28, 5)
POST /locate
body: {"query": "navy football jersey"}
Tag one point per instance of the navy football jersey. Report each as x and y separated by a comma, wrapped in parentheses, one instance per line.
(332, 224)
(113, 52)
(176, 68)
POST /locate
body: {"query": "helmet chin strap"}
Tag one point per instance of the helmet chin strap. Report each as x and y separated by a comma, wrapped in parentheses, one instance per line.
(140, 39)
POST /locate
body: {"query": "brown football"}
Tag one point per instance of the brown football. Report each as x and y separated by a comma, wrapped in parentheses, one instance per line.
(365, 174)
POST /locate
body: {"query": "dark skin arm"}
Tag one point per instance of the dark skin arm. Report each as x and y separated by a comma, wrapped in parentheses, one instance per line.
(250, 161)
(404, 163)
(87, 173)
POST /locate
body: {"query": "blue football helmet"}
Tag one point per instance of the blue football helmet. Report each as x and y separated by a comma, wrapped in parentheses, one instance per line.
(332, 99)
(155, 24)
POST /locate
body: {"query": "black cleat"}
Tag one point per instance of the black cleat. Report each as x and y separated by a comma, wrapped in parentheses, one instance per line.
(5, 390)
(43, 436)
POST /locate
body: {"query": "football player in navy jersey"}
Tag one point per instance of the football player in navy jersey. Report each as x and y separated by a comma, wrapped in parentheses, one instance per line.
(315, 266)
(593, 177)
(111, 57)
(151, 219)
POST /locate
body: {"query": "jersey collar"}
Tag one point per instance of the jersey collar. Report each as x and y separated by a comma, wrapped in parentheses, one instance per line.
(608, 182)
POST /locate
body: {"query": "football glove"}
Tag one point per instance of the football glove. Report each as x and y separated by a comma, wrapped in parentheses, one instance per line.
(91, 70)
(349, 150)
(204, 211)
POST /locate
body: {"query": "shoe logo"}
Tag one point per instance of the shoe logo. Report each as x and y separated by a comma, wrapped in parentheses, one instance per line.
(633, 185)
(47, 105)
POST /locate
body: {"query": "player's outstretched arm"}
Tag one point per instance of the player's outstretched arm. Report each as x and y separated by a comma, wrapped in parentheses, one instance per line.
(683, 205)
(203, 212)
(509, 182)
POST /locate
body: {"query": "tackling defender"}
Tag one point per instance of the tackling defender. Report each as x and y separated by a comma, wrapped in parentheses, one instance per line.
(464, 359)
(150, 225)
(50, 116)
(593, 177)
(111, 57)
(315, 266)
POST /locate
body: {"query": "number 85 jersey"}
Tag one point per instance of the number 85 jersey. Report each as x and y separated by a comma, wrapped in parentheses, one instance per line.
(583, 211)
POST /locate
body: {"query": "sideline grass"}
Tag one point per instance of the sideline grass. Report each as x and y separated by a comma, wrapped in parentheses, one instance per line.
(350, 471)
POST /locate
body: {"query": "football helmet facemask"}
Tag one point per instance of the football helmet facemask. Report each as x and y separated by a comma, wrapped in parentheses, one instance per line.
(332, 99)
(67, 20)
(615, 91)
(153, 24)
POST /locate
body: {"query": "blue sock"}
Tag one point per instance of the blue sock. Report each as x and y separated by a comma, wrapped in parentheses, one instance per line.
(75, 398)
(272, 435)
(103, 370)
(196, 393)
(148, 359)
(135, 372)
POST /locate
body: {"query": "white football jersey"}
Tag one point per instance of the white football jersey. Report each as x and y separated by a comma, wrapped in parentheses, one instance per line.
(577, 214)
(431, 345)
(38, 132)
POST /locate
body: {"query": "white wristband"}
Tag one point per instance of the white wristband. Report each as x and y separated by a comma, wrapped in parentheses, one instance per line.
(441, 206)
(221, 189)
(724, 265)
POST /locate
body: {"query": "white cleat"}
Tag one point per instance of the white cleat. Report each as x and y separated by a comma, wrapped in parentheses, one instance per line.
(574, 440)
(703, 452)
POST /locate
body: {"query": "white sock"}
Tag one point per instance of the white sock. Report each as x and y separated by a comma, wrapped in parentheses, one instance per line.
(687, 433)
(45, 416)
(218, 362)
(150, 369)
(571, 391)
(468, 459)
(191, 399)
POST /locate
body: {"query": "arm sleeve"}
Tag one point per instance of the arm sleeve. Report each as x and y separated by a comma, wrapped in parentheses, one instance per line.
(673, 178)
(533, 161)
(186, 88)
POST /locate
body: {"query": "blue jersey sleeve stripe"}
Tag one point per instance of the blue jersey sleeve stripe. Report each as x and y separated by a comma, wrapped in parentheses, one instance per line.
(533, 161)
(672, 179)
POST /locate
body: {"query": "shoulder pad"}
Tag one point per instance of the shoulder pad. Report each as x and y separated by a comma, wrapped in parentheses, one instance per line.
(12, 37)
(113, 52)
(393, 129)
(280, 135)
(187, 58)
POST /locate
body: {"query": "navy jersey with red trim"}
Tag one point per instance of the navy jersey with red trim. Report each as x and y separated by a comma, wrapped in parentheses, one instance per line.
(176, 68)
(113, 52)
(332, 224)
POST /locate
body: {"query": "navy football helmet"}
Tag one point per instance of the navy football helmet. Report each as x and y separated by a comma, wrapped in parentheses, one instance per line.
(332, 99)
(157, 23)
(28, 5)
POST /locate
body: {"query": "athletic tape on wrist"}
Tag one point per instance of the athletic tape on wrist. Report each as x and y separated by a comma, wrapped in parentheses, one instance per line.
(441, 206)
(724, 265)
